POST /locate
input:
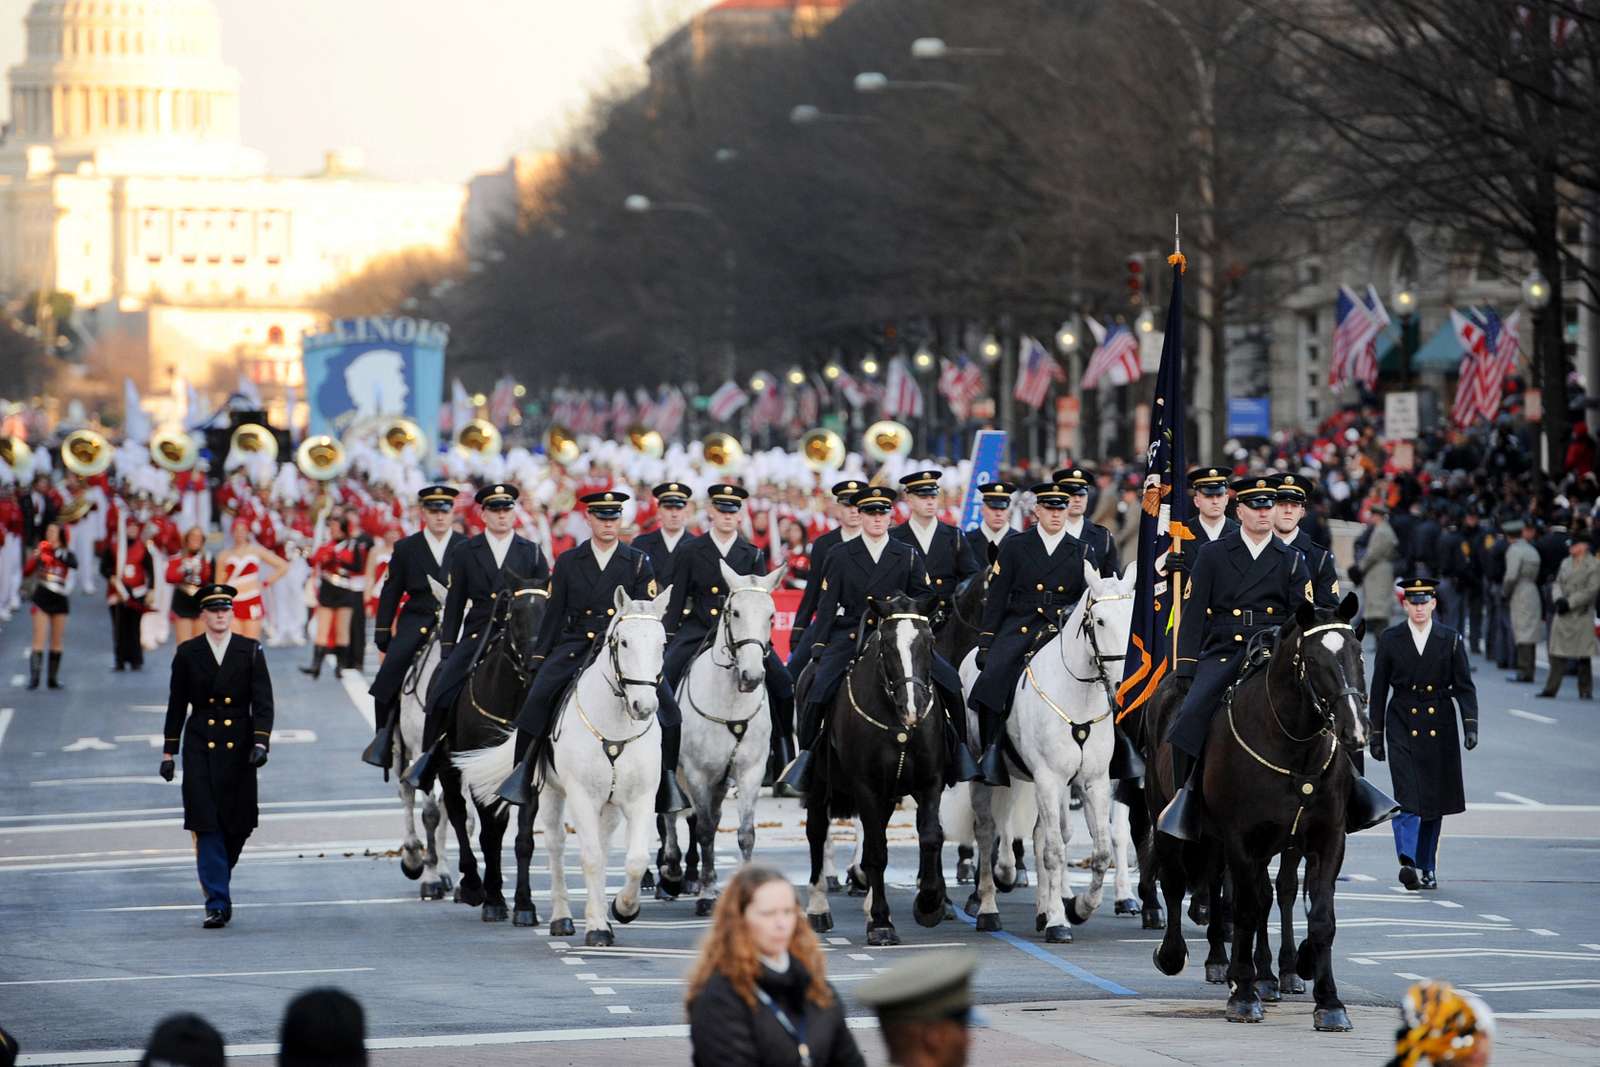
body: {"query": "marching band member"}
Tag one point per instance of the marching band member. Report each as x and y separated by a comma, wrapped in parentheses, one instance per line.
(187, 572)
(10, 552)
(995, 528)
(55, 563)
(130, 573)
(1100, 546)
(341, 561)
(247, 567)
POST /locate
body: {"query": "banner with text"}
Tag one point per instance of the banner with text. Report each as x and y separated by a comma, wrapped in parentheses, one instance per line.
(372, 367)
(988, 456)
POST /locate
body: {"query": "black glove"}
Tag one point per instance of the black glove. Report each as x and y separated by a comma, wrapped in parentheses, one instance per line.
(1562, 607)
(982, 659)
(381, 639)
(1469, 735)
(168, 768)
(1178, 563)
(1375, 746)
(258, 756)
(1355, 574)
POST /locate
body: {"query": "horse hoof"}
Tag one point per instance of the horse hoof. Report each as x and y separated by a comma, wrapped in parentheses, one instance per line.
(949, 910)
(663, 895)
(1267, 990)
(1021, 880)
(691, 887)
(857, 882)
(617, 916)
(1305, 961)
(494, 913)
(1244, 1009)
(470, 895)
(446, 883)
(1199, 914)
(988, 922)
(1127, 906)
(879, 936)
(1217, 973)
(1170, 966)
(966, 872)
(1058, 935)
(1071, 904)
(669, 888)
(705, 906)
(1004, 885)
(431, 890)
(1152, 919)
(821, 923)
(831, 883)
(1291, 985)
(412, 869)
(599, 939)
(1333, 1020)
(648, 881)
(927, 917)
(528, 916)
(972, 905)
(562, 927)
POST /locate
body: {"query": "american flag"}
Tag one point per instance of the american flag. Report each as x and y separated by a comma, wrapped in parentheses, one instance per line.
(768, 408)
(1115, 357)
(644, 407)
(502, 401)
(808, 407)
(1355, 336)
(902, 395)
(727, 400)
(960, 383)
(669, 412)
(1039, 370)
(857, 393)
(621, 413)
(1490, 347)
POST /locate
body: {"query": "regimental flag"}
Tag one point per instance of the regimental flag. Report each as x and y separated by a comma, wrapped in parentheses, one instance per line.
(727, 400)
(1038, 371)
(1166, 514)
(1115, 358)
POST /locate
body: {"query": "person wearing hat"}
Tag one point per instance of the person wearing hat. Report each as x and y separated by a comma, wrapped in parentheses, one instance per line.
(1289, 509)
(129, 571)
(323, 1027)
(1208, 488)
(664, 545)
(946, 555)
(872, 565)
(582, 601)
(414, 564)
(1420, 680)
(1521, 589)
(924, 1008)
(184, 1040)
(994, 527)
(1572, 636)
(1246, 582)
(481, 567)
(1100, 547)
(219, 714)
(1441, 1025)
(1374, 572)
(699, 595)
(1037, 575)
(849, 528)
(1462, 549)
(54, 562)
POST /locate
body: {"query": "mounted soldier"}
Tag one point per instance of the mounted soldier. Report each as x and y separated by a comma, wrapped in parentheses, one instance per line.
(1100, 548)
(849, 528)
(994, 529)
(948, 556)
(664, 545)
(1288, 509)
(1208, 488)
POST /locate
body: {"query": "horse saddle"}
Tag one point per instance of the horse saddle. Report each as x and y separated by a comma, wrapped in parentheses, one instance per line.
(802, 684)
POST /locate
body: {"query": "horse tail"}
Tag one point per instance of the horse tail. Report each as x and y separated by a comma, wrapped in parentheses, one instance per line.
(483, 769)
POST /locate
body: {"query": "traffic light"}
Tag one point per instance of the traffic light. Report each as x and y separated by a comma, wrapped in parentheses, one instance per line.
(1135, 281)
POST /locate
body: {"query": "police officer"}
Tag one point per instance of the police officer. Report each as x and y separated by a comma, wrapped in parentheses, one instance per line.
(417, 558)
(1038, 574)
(1420, 679)
(1287, 511)
(849, 528)
(995, 525)
(665, 543)
(1208, 488)
(582, 601)
(699, 594)
(872, 565)
(223, 678)
(479, 570)
(1099, 546)
(946, 554)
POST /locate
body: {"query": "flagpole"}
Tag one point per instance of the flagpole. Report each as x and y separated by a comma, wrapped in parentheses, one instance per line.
(1175, 544)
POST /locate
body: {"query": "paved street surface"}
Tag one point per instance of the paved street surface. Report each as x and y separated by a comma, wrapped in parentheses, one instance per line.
(101, 911)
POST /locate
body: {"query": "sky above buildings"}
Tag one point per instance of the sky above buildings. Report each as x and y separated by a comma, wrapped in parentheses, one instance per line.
(428, 89)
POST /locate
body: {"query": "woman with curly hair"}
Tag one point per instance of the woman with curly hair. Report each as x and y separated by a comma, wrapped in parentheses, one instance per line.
(758, 994)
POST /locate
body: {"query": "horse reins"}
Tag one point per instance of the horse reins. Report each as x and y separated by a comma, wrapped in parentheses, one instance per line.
(613, 747)
(1081, 729)
(619, 686)
(737, 727)
(507, 649)
(901, 734)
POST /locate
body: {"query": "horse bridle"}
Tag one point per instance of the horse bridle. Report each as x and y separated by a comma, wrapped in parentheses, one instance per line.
(1326, 708)
(733, 646)
(619, 682)
(502, 639)
(737, 727)
(900, 731)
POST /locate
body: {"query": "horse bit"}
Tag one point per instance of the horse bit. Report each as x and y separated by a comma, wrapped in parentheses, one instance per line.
(614, 747)
(1081, 730)
(737, 727)
(504, 599)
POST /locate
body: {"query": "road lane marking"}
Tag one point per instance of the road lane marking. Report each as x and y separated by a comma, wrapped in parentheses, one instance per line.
(1410, 977)
(1465, 953)
(1363, 961)
(5, 722)
(1518, 798)
(838, 940)
(264, 805)
(1551, 1013)
(1045, 956)
(602, 991)
(1437, 923)
(1543, 809)
(355, 686)
(88, 744)
(619, 1009)
(1541, 931)
(153, 824)
(176, 977)
(1445, 933)
(1513, 987)
(1493, 917)
(1531, 716)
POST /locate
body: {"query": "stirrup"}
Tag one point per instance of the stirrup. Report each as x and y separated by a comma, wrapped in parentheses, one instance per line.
(966, 768)
(670, 798)
(1126, 762)
(797, 775)
(1368, 806)
(992, 767)
(377, 752)
(1181, 818)
(420, 774)
(518, 786)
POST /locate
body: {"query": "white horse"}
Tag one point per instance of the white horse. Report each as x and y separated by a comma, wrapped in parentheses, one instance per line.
(604, 766)
(726, 725)
(960, 822)
(1061, 724)
(415, 862)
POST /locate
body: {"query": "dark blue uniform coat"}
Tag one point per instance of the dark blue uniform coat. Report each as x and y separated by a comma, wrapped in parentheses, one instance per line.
(664, 562)
(983, 550)
(1028, 589)
(800, 637)
(1414, 703)
(949, 557)
(410, 567)
(231, 713)
(1101, 548)
(697, 601)
(1324, 572)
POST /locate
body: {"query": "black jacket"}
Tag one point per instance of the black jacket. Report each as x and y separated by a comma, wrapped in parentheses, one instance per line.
(819, 566)
(983, 550)
(1324, 573)
(583, 597)
(1415, 699)
(1028, 590)
(1231, 596)
(1101, 548)
(232, 713)
(724, 1031)
(474, 577)
(698, 589)
(949, 557)
(851, 577)
(401, 638)
(663, 562)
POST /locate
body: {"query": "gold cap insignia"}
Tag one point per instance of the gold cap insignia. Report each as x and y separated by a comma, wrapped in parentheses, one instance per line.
(1261, 483)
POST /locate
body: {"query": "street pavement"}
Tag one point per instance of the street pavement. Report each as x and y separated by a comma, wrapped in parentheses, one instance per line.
(101, 911)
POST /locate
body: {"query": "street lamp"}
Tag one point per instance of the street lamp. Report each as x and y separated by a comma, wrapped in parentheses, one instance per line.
(832, 372)
(1404, 299)
(991, 348)
(1067, 338)
(796, 376)
(1536, 291)
(637, 203)
(923, 359)
(758, 383)
(873, 82)
(811, 115)
(478, 399)
(1146, 322)
(519, 390)
(869, 366)
(935, 48)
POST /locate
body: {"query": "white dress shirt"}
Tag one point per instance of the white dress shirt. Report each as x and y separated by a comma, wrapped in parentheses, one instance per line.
(923, 532)
(1050, 540)
(1419, 636)
(219, 648)
(438, 545)
(671, 540)
(1256, 547)
(875, 546)
(724, 546)
(499, 546)
(602, 556)
(1214, 531)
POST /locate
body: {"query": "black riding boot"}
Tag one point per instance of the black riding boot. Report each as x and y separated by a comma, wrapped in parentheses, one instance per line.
(1368, 805)
(381, 750)
(35, 664)
(315, 670)
(992, 764)
(797, 776)
(1181, 817)
(340, 655)
(780, 749)
(55, 671)
(1126, 762)
(518, 787)
(669, 798)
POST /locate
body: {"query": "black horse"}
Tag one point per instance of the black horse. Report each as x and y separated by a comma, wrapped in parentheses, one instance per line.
(1276, 779)
(479, 718)
(885, 740)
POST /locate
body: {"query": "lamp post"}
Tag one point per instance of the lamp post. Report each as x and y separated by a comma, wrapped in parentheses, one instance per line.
(812, 115)
(1404, 299)
(1069, 344)
(1536, 294)
(873, 82)
(639, 204)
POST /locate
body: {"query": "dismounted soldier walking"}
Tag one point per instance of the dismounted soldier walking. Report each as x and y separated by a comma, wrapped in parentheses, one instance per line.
(1420, 678)
(219, 714)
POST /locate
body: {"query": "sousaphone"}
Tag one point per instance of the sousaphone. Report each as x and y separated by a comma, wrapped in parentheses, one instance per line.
(886, 439)
(722, 451)
(822, 450)
(254, 438)
(173, 450)
(86, 453)
(320, 458)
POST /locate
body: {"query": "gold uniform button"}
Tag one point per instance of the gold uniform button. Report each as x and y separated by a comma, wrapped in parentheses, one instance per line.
(852, 637)
(1413, 733)
(1430, 688)
(1040, 587)
(1414, 711)
(589, 634)
(1269, 611)
(1430, 711)
(1061, 589)
(1236, 611)
(211, 744)
(227, 700)
(1238, 637)
(611, 611)
(422, 629)
(714, 589)
(1433, 733)
(713, 611)
(1024, 629)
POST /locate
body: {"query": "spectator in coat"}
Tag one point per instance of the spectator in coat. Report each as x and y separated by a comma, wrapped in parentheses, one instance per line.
(759, 990)
(1375, 572)
(1572, 637)
(1521, 588)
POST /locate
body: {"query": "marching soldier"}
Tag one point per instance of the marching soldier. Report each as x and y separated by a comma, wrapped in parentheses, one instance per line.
(1038, 573)
(478, 572)
(582, 601)
(995, 527)
(1099, 546)
(849, 528)
(1521, 588)
(1420, 679)
(947, 555)
(699, 593)
(872, 565)
(417, 558)
(1289, 509)
(222, 678)
(665, 543)
(1246, 582)
(1208, 488)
